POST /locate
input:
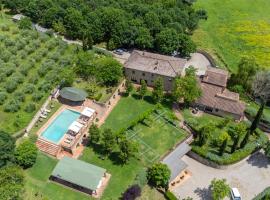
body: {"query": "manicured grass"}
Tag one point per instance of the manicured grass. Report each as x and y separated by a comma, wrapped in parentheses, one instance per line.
(122, 176)
(233, 29)
(149, 193)
(158, 137)
(38, 187)
(127, 109)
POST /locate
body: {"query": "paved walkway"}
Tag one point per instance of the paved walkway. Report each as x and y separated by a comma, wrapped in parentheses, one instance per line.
(251, 178)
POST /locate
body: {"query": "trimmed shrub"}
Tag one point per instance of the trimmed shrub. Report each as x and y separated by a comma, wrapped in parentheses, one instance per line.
(19, 96)
(3, 97)
(31, 107)
(11, 86)
(132, 193)
(12, 106)
(29, 88)
(170, 196)
(37, 97)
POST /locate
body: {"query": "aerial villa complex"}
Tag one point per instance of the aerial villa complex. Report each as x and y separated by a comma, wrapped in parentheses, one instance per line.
(64, 133)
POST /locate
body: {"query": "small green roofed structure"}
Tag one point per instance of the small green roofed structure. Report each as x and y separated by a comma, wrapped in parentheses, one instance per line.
(79, 175)
(73, 94)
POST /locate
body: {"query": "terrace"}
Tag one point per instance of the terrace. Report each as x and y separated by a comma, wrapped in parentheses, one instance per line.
(64, 133)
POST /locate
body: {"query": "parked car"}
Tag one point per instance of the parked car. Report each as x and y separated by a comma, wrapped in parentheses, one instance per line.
(119, 52)
(235, 194)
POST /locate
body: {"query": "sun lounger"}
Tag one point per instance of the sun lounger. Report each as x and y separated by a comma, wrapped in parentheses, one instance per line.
(43, 116)
(46, 110)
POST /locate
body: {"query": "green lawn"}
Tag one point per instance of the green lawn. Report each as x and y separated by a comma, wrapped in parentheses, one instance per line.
(127, 109)
(159, 136)
(235, 28)
(38, 187)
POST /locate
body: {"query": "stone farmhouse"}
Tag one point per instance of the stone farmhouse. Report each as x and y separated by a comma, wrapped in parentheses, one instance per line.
(147, 66)
(216, 98)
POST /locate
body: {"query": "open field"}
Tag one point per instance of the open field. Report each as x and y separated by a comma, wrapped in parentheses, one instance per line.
(234, 29)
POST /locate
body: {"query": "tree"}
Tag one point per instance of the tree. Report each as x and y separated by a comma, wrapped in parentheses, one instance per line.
(246, 71)
(11, 183)
(129, 86)
(158, 91)
(94, 134)
(187, 87)
(219, 189)
(25, 23)
(186, 45)
(236, 133)
(267, 149)
(59, 27)
(127, 149)
(132, 193)
(109, 141)
(67, 78)
(109, 70)
(143, 89)
(7, 146)
(87, 41)
(204, 133)
(26, 154)
(159, 175)
(261, 90)
(223, 138)
(166, 41)
(144, 39)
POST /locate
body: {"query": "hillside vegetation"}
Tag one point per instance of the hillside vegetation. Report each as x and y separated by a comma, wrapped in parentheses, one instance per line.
(160, 25)
(235, 29)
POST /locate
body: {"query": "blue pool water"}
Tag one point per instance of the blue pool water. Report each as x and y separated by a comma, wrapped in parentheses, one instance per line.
(60, 125)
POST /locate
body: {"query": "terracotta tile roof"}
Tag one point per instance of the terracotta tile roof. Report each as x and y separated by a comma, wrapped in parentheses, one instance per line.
(219, 98)
(216, 76)
(156, 63)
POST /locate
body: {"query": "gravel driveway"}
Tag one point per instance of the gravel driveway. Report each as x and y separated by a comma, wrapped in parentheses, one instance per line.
(251, 177)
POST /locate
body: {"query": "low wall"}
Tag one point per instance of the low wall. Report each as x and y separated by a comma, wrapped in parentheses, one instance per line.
(208, 56)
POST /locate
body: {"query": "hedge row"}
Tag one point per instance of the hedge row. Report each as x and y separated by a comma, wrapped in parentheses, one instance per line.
(170, 196)
(228, 159)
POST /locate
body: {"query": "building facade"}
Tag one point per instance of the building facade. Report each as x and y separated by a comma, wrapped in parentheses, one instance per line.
(149, 67)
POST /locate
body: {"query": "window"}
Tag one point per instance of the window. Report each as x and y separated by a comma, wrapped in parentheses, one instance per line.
(152, 75)
(133, 72)
(143, 74)
(170, 80)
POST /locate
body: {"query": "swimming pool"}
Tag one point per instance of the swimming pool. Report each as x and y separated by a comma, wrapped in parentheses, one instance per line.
(57, 129)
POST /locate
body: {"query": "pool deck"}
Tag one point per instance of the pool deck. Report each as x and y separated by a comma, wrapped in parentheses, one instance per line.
(102, 113)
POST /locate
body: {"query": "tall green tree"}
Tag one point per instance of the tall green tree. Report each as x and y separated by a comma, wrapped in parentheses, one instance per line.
(11, 183)
(219, 189)
(205, 133)
(246, 71)
(143, 89)
(109, 141)
(223, 139)
(7, 147)
(236, 133)
(261, 90)
(127, 150)
(187, 87)
(25, 23)
(87, 41)
(159, 175)
(26, 154)
(158, 91)
(128, 86)
(166, 41)
(94, 134)
(109, 71)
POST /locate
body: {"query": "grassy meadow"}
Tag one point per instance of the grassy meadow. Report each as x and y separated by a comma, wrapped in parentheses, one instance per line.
(235, 29)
